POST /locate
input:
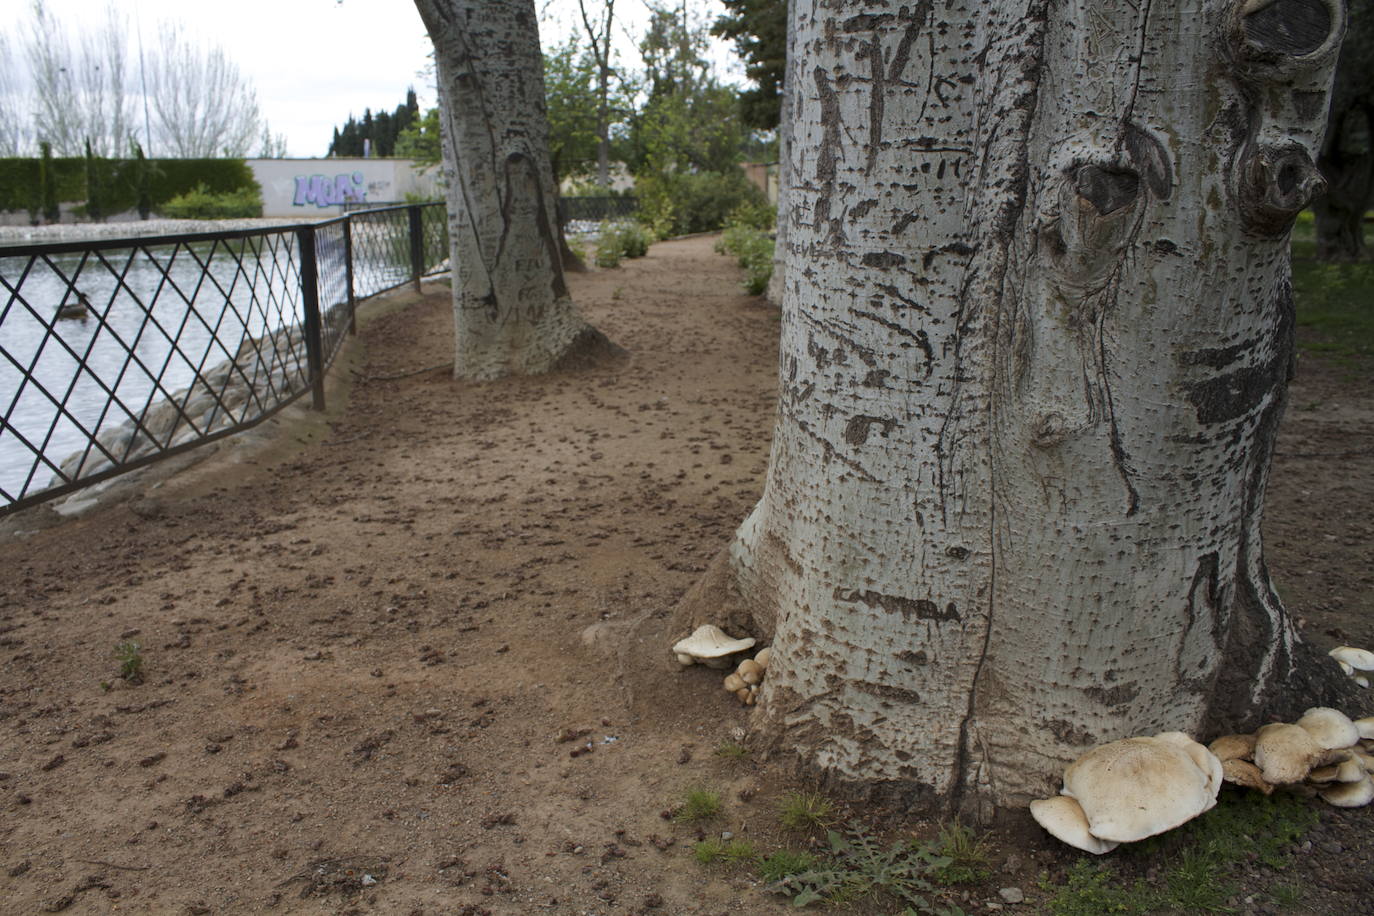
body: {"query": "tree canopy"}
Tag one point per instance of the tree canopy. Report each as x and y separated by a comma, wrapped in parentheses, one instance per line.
(759, 31)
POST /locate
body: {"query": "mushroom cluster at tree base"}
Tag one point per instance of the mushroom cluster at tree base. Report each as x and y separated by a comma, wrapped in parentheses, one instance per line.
(1135, 788)
(1131, 789)
(744, 682)
(1324, 751)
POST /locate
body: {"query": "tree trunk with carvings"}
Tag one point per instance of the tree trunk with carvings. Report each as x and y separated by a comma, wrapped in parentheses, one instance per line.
(512, 311)
(787, 115)
(1037, 329)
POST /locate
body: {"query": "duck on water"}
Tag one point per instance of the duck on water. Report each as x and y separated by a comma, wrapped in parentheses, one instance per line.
(81, 308)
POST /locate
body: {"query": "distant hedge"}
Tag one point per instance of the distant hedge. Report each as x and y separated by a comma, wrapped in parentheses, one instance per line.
(20, 185)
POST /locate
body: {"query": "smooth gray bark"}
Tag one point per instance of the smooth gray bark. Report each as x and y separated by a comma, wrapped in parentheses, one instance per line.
(1037, 329)
(512, 311)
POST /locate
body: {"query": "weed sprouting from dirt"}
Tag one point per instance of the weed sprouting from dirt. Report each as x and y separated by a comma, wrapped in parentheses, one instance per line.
(785, 862)
(698, 804)
(968, 854)
(860, 867)
(130, 658)
(805, 810)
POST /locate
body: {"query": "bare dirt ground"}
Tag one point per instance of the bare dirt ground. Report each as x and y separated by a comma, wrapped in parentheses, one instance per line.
(366, 686)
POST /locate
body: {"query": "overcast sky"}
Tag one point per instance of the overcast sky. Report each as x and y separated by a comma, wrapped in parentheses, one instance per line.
(315, 61)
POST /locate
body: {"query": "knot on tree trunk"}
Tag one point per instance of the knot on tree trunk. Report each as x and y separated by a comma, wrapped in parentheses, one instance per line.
(1276, 184)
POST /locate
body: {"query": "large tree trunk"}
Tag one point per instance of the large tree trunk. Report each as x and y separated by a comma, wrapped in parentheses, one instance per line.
(1347, 163)
(1037, 329)
(512, 311)
(787, 114)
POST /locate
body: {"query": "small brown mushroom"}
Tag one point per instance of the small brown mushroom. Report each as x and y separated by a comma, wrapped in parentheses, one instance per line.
(1244, 773)
(1348, 770)
(750, 670)
(744, 696)
(764, 654)
(734, 683)
(1233, 747)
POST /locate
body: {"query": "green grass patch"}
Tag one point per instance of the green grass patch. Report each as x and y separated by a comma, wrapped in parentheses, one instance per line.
(1335, 301)
(724, 852)
(698, 804)
(732, 750)
(1196, 865)
(805, 810)
(784, 863)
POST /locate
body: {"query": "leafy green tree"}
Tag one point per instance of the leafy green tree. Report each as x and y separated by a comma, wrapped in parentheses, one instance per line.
(690, 119)
(420, 140)
(759, 31)
(570, 93)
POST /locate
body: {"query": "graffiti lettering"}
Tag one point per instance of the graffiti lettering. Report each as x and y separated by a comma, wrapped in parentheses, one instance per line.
(323, 191)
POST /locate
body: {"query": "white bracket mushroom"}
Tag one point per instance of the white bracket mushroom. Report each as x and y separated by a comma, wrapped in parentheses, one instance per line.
(1354, 660)
(711, 646)
(1131, 789)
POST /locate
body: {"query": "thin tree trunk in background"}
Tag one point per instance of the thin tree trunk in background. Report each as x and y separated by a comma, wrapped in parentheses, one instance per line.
(1347, 163)
(600, 38)
(512, 311)
(1037, 329)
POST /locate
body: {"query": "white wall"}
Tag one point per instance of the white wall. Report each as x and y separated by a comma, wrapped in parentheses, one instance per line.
(310, 188)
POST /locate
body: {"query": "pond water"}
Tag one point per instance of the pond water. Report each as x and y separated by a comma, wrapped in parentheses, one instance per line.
(156, 316)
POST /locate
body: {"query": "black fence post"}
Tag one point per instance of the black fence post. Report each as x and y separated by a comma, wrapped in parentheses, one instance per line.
(310, 298)
(348, 275)
(417, 245)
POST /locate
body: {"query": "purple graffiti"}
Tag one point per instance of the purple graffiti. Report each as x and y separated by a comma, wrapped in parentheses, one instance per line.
(323, 191)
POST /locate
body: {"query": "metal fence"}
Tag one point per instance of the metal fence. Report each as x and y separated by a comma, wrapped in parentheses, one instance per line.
(596, 209)
(119, 352)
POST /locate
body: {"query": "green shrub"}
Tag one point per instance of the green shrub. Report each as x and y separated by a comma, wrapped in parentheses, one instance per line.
(608, 253)
(753, 249)
(680, 203)
(756, 214)
(202, 203)
(621, 240)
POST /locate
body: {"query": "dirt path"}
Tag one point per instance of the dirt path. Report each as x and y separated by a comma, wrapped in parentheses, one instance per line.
(363, 651)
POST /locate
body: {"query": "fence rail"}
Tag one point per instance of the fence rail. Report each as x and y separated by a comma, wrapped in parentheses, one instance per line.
(117, 353)
(571, 209)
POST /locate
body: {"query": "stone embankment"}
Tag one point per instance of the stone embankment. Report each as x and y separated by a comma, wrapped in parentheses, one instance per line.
(265, 371)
